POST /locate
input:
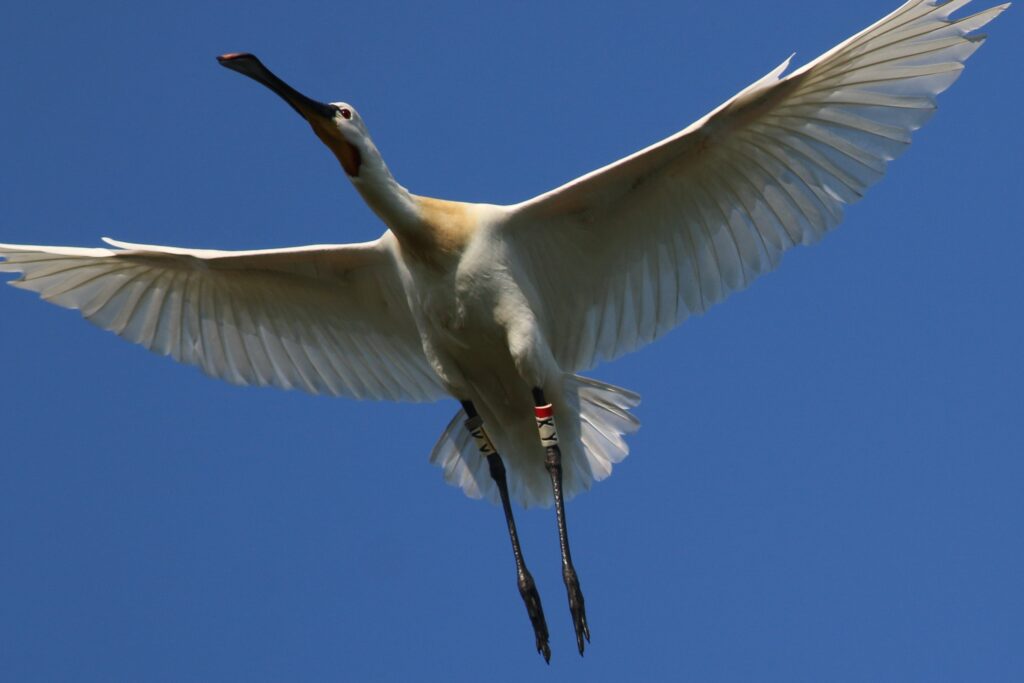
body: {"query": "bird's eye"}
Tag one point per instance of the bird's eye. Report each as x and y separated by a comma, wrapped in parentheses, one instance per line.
(345, 113)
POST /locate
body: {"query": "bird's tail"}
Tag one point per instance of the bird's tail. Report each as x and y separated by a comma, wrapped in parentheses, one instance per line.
(604, 419)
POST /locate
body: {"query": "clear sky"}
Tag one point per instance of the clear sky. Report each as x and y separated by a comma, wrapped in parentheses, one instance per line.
(828, 483)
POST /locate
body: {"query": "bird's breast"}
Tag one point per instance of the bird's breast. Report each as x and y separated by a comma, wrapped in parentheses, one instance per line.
(444, 230)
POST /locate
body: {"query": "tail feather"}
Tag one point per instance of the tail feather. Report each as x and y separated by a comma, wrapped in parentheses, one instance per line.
(604, 419)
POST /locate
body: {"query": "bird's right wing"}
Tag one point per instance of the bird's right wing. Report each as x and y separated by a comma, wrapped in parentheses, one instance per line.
(330, 319)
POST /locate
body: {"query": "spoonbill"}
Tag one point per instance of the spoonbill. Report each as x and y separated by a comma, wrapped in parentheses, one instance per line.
(500, 306)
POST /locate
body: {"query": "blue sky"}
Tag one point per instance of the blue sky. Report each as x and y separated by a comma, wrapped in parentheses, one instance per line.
(827, 485)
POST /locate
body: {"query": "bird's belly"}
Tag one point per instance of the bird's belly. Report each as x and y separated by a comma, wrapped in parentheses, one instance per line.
(467, 340)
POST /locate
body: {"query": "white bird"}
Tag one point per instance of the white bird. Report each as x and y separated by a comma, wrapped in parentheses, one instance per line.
(499, 306)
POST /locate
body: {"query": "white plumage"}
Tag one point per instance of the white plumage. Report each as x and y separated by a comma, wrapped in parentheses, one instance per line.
(482, 302)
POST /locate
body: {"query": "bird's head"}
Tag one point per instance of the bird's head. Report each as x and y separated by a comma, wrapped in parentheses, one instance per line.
(337, 124)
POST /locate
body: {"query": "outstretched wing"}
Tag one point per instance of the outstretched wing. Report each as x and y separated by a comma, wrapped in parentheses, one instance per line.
(625, 253)
(329, 319)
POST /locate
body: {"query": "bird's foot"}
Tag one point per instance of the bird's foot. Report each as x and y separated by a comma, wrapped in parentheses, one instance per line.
(576, 607)
(531, 598)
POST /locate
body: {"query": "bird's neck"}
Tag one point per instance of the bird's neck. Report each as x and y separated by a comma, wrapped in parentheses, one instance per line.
(400, 210)
(382, 193)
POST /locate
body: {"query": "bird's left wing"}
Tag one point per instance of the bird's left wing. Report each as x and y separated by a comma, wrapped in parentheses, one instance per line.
(619, 256)
(328, 319)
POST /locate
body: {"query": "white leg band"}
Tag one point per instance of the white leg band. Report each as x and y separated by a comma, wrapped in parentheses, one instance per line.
(475, 425)
(546, 425)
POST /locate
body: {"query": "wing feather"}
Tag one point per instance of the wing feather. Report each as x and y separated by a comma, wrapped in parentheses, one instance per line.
(627, 252)
(326, 319)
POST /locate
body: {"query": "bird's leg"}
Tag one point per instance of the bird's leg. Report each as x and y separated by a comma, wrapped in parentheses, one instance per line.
(527, 588)
(553, 463)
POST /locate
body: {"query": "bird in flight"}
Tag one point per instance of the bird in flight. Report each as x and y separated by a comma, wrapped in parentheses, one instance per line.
(500, 306)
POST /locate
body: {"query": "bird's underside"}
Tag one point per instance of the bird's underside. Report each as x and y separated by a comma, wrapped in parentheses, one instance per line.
(500, 306)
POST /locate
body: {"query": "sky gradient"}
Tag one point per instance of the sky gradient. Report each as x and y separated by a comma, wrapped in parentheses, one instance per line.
(827, 484)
